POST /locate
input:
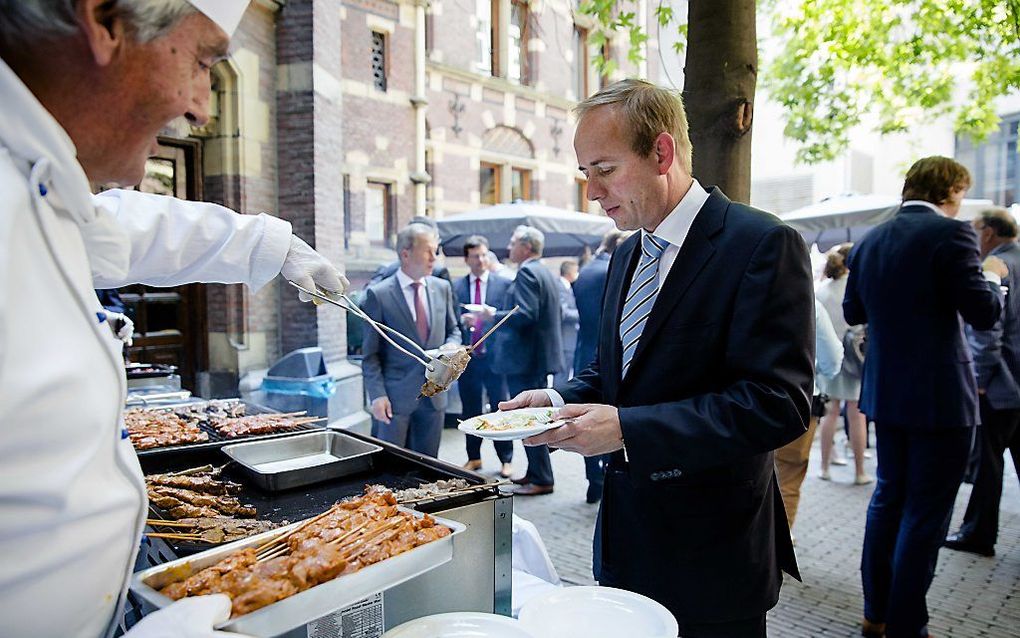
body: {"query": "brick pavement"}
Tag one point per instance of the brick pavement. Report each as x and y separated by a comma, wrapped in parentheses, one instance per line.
(971, 596)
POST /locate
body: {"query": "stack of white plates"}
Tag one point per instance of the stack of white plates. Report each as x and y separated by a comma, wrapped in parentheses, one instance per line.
(597, 612)
(460, 625)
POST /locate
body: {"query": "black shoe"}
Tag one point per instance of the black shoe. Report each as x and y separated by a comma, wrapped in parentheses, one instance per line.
(961, 543)
(524, 480)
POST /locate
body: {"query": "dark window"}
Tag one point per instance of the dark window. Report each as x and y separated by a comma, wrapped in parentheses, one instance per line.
(380, 209)
(581, 61)
(520, 187)
(581, 195)
(379, 60)
(517, 54)
(993, 163)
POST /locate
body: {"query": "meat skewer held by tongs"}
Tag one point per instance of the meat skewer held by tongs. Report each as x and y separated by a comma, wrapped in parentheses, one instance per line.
(448, 366)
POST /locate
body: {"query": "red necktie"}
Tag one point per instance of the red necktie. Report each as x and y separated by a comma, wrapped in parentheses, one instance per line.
(477, 332)
(421, 320)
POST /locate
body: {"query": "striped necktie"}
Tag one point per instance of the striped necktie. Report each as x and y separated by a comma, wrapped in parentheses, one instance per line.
(644, 287)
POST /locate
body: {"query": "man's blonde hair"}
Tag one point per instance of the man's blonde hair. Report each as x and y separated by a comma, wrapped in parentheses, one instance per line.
(648, 110)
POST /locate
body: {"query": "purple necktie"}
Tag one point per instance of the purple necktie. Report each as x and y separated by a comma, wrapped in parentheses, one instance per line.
(421, 320)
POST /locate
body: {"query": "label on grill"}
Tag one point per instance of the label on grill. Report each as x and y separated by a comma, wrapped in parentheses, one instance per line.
(363, 619)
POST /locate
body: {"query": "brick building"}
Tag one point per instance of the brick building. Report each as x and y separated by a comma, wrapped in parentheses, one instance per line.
(348, 119)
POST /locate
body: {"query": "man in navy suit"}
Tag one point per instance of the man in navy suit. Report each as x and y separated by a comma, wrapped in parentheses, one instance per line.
(421, 307)
(589, 290)
(997, 358)
(529, 343)
(915, 280)
(480, 287)
(704, 367)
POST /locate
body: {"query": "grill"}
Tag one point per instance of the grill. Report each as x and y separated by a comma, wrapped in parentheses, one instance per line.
(477, 579)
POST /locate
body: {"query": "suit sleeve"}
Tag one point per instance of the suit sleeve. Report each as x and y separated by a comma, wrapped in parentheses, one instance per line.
(453, 335)
(371, 344)
(987, 348)
(770, 354)
(853, 307)
(974, 297)
(526, 295)
(568, 306)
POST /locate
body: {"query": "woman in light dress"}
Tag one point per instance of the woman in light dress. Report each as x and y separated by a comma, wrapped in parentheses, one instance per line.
(845, 387)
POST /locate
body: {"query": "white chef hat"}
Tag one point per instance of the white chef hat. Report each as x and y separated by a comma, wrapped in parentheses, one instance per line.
(225, 13)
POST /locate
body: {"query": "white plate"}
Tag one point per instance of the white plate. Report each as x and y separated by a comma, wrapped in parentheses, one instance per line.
(470, 426)
(467, 624)
(597, 612)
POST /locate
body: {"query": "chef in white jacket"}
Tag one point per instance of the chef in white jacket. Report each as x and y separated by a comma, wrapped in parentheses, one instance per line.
(85, 86)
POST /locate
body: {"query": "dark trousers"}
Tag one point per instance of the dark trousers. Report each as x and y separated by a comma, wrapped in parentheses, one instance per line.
(478, 377)
(1000, 430)
(752, 628)
(919, 473)
(539, 465)
(420, 431)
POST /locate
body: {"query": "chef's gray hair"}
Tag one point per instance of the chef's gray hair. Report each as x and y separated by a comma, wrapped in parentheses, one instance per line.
(532, 237)
(27, 21)
(409, 234)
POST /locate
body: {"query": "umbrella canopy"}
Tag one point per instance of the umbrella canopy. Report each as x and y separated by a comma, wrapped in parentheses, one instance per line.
(847, 218)
(566, 232)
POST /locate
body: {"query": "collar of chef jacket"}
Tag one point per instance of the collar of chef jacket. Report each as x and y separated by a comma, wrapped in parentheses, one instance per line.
(31, 134)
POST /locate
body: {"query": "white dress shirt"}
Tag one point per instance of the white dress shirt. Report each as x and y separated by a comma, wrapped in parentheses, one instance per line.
(471, 287)
(405, 286)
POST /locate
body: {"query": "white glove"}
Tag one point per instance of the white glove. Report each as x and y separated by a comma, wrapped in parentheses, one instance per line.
(192, 617)
(122, 326)
(309, 269)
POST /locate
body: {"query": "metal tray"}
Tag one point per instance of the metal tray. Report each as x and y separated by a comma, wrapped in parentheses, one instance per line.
(303, 607)
(302, 459)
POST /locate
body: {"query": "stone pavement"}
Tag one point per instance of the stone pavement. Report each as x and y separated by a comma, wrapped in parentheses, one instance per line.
(971, 596)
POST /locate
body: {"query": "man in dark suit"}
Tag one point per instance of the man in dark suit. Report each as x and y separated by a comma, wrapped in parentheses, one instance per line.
(569, 319)
(911, 280)
(529, 342)
(421, 307)
(589, 290)
(704, 367)
(478, 288)
(997, 359)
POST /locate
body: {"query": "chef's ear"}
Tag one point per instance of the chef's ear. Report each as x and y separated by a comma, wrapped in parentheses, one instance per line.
(103, 27)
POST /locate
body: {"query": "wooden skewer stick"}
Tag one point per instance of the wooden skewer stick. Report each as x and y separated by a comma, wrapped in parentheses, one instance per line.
(378, 540)
(181, 537)
(162, 523)
(493, 329)
(340, 539)
(280, 539)
(372, 535)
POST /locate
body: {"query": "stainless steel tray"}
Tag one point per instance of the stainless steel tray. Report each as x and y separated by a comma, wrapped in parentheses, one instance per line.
(303, 607)
(303, 459)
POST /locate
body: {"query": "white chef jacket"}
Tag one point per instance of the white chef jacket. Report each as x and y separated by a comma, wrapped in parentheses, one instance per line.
(72, 498)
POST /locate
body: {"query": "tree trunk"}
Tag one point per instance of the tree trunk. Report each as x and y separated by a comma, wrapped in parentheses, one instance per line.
(719, 79)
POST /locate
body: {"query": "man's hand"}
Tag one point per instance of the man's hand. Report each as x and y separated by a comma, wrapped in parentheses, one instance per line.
(593, 429)
(382, 410)
(995, 265)
(527, 399)
(467, 319)
(310, 270)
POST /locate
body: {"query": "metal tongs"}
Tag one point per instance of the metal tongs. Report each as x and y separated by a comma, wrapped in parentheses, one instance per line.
(438, 370)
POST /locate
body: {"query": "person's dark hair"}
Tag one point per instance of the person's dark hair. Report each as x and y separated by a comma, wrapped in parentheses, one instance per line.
(931, 179)
(611, 240)
(835, 261)
(475, 241)
(999, 220)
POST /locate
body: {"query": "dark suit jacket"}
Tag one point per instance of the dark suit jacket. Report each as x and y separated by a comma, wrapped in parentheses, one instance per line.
(529, 342)
(588, 291)
(996, 351)
(568, 319)
(722, 376)
(388, 372)
(495, 296)
(914, 280)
